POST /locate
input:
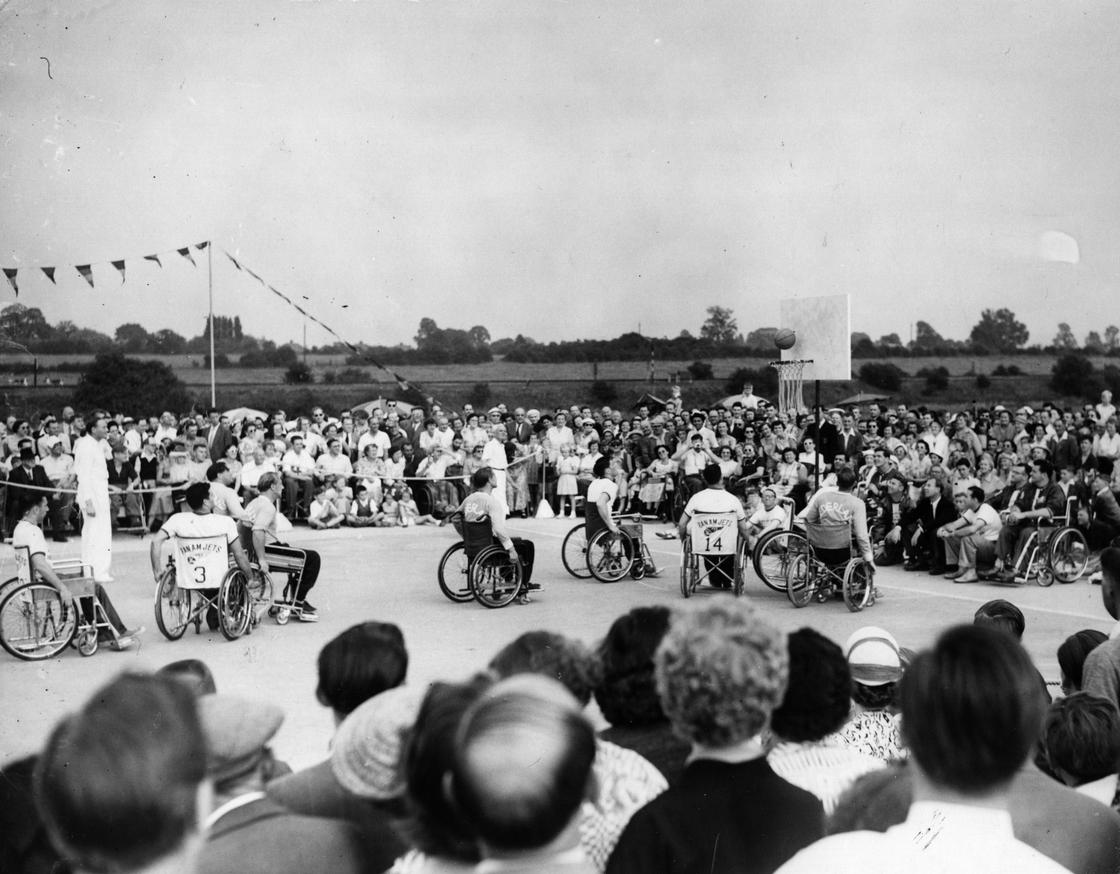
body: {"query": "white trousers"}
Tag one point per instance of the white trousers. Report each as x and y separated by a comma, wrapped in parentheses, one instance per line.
(97, 536)
(499, 493)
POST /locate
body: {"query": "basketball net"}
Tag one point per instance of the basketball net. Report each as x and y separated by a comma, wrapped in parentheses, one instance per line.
(789, 386)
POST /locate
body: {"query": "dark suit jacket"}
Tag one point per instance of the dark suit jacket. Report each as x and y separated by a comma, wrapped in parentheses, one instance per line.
(17, 497)
(223, 440)
(1106, 509)
(262, 837)
(931, 519)
(852, 446)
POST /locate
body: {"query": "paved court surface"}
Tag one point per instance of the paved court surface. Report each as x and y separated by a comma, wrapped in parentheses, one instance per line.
(390, 574)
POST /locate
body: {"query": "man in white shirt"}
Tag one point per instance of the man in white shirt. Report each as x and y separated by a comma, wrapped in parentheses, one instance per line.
(494, 457)
(769, 516)
(375, 436)
(91, 456)
(298, 468)
(224, 501)
(715, 499)
(958, 821)
(332, 463)
(970, 540)
(59, 468)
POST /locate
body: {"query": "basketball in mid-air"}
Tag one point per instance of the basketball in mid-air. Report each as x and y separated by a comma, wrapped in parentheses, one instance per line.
(785, 338)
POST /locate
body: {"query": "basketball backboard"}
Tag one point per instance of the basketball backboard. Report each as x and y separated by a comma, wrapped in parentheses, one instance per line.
(824, 329)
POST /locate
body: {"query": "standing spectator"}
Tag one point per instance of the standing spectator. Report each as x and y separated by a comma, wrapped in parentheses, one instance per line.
(59, 468)
(721, 672)
(90, 456)
(1072, 654)
(1102, 665)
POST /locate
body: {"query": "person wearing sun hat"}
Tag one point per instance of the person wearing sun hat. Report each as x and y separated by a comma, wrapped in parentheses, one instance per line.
(246, 831)
(876, 664)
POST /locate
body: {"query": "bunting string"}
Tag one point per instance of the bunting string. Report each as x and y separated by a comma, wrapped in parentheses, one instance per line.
(86, 270)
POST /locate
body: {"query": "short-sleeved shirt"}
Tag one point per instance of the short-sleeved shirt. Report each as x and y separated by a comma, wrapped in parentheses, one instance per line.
(200, 525)
(597, 487)
(765, 517)
(481, 505)
(30, 536)
(225, 501)
(715, 501)
(260, 515)
(990, 517)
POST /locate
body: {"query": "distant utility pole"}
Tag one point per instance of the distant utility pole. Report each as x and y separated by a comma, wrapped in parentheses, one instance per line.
(305, 339)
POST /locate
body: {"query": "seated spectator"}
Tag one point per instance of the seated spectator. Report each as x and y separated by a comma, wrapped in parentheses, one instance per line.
(441, 839)
(895, 522)
(807, 753)
(625, 779)
(970, 539)
(961, 774)
(1081, 740)
(721, 671)
(1040, 502)
(114, 794)
(520, 774)
(770, 516)
(363, 511)
(1099, 518)
(1072, 654)
(323, 512)
(247, 831)
(933, 511)
(626, 691)
(875, 662)
(990, 480)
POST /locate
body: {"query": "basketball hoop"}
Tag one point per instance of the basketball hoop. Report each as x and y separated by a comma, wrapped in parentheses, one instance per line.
(789, 385)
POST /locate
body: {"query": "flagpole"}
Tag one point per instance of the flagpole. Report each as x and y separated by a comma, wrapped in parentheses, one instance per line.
(210, 284)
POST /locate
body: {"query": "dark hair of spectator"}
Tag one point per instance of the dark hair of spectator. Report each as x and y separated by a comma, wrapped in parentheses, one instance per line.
(713, 473)
(1043, 466)
(432, 824)
(1073, 652)
(627, 690)
(563, 659)
(977, 494)
(117, 782)
(517, 807)
(1003, 615)
(845, 479)
(971, 709)
(216, 470)
(874, 802)
(363, 661)
(600, 466)
(875, 697)
(480, 478)
(197, 495)
(817, 699)
(1082, 738)
(195, 674)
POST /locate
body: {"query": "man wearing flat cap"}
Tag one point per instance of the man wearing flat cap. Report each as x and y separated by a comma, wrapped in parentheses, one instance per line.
(248, 833)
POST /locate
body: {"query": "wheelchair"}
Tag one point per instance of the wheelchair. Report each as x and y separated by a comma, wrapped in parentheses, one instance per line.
(774, 550)
(712, 540)
(197, 567)
(612, 556)
(809, 577)
(573, 552)
(36, 622)
(478, 568)
(1057, 551)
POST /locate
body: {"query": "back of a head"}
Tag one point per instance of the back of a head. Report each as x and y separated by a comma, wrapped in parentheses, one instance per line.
(713, 473)
(522, 763)
(818, 696)
(552, 655)
(361, 662)
(846, 479)
(433, 824)
(197, 494)
(1081, 738)
(1003, 615)
(481, 478)
(195, 674)
(971, 709)
(721, 671)
(626, 691)
(599, 468)
(118, 782)
(1072, 654)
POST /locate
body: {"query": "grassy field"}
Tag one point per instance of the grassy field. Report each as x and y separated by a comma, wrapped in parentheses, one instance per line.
(542, 385)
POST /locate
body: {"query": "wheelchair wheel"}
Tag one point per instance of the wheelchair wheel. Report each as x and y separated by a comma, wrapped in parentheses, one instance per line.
(86, 641)
(859, 583)
(740, 570)
(1068, 555)
(573, 553)
(494, 579)
(174, 606)
(772, 555)
(800, 586)
(35, 622)
(453, 574)
(260, 594)
(235, 605)
(609, 556)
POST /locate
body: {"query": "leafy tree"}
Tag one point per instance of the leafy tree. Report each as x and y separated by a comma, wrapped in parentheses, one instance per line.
(761, 338)
(115, 382)
(937, 379)
(1064, 338)
(1073, 375)
(720, 327)
(926, 338)
(23, 324)
(1112, 336)
(299, 374)
(999, 331)
(603, 392)
(167, 342)
(479, 395)
(882, 374)
(132, 337)
(480, 337)
(1094, 343)
(891, 341)
(700, 370)
(764, 380)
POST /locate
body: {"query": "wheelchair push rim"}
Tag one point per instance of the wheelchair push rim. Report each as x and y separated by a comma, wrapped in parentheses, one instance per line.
(771, 556)
(453, 574)
(173, 606)
(609, 556)
(573, 553)
(35, 622)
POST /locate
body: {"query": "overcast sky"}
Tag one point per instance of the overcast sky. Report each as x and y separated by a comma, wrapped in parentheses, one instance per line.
(563, 169)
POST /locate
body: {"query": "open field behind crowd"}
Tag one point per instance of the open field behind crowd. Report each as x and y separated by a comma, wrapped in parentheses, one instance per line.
(390, 575)
(540, 385)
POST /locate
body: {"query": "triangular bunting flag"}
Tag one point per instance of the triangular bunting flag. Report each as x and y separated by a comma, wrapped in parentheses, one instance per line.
(234, 260)
(11, 272)
(154, 258)
(202, 245)
(120, 266)
(186, 253)
(86, 271)
(49, 273)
